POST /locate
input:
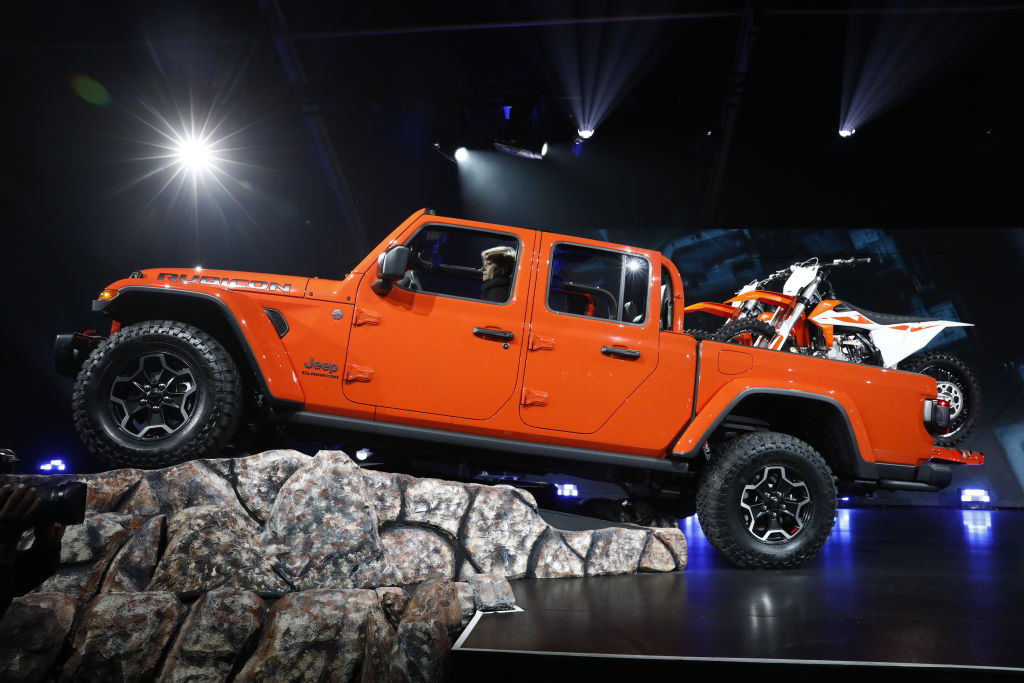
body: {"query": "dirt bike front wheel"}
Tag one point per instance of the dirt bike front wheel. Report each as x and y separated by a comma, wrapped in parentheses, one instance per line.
(955, 383)
(749, 333)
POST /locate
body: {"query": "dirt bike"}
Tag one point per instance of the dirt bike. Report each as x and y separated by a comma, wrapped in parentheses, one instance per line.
(839, 330)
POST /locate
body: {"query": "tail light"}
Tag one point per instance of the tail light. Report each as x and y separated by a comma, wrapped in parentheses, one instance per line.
(936, 415)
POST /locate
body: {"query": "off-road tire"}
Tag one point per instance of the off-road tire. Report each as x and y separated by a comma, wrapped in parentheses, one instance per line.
(945, 368)
(731, 332)
(210, 410)
(699, 335)
(742, 463)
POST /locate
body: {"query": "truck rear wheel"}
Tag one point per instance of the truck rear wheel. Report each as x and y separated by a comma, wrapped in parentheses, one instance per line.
(157, 393)
(767, 501)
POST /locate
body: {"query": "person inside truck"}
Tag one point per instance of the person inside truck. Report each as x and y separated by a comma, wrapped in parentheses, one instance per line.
(498, 266)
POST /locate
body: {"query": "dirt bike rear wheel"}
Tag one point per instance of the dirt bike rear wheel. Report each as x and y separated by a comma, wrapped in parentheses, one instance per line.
(955, 383)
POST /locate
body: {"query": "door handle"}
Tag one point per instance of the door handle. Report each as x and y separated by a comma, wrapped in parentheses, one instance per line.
(496, 335)
(628, 354)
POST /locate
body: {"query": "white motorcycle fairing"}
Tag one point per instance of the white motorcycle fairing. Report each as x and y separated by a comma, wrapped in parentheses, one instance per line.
(894, 342)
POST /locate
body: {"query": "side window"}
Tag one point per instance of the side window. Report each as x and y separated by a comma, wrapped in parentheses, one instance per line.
(597, 283)
(667, 301)
(464, 263)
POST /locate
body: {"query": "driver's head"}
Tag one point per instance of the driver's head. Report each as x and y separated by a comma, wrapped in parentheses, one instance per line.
(498, 262)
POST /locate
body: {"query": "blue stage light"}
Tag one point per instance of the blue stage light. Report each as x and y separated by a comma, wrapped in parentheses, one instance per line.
(567, 490)
(53, 465)
(974, 496)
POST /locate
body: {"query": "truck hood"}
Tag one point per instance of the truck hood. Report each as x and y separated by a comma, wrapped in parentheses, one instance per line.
(286, 285)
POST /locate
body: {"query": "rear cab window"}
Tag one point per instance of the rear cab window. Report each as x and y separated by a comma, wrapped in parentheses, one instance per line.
(599, 283)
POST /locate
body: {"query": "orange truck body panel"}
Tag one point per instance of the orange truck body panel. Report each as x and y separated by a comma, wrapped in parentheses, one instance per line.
(412, 358)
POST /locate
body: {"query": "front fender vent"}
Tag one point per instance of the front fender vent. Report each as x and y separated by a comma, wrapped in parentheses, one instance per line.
(277, 318)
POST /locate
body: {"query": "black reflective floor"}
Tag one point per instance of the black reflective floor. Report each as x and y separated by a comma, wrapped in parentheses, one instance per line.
(915, 591)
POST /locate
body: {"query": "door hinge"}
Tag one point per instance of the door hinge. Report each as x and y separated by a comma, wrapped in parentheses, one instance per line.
(539, 343)
(365, 317)
(357, 373)
(534, 398)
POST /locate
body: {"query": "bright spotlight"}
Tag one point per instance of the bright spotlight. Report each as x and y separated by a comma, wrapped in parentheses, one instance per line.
(585, 133)
(363, 453)
(634, 265)
(847, 132)
(461, 154)
(194, 154)
(544, 149)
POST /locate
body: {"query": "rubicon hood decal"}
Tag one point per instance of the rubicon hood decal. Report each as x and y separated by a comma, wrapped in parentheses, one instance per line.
(233, 279)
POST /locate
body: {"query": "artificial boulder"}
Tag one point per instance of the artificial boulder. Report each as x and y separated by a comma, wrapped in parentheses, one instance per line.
(123, 636)
(219, 627)
(322, 530)
(32, 634)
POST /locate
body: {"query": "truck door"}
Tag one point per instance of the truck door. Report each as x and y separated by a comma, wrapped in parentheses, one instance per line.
(444, 340)
(594, 334)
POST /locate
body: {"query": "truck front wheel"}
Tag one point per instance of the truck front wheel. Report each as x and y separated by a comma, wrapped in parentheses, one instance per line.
(157, 393)
(767, 501)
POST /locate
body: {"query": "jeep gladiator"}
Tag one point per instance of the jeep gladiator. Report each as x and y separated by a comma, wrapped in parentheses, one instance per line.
(568, 356)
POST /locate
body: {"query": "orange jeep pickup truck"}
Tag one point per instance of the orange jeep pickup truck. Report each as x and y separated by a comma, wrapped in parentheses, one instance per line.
(546, 352)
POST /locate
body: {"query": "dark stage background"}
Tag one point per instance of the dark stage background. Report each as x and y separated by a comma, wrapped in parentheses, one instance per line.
(725, 157)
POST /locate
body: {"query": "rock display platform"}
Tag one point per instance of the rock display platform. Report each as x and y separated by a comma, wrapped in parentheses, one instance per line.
(247, 568)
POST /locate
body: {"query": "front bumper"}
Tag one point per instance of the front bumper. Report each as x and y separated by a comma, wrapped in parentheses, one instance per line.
(71, 350)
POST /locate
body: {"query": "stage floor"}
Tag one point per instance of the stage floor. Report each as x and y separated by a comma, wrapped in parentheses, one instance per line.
(934, 591)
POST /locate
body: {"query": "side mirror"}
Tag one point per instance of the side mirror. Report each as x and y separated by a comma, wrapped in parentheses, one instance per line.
(390, 268)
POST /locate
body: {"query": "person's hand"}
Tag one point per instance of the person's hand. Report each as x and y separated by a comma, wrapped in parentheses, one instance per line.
(17, 505)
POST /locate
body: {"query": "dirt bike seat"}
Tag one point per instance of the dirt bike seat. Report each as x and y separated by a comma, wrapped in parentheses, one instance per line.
(882, 318)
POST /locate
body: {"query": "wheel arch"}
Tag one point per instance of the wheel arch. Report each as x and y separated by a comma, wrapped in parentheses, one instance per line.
(821, 421)
(212, 314)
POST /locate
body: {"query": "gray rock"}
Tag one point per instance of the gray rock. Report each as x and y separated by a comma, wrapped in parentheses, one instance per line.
(501, 529)
(311, 636)
(189, 484)
(32, 634)
(85, 553)
(615, 551)
(579, 541)
(436, 502)
(213, 547)
(491, 592)
(423, 638)
(219, 627)
(467, 602)
(418, 554)
(133, 565)
(379, 642)
(92, 539)
(261, 476)
(393, 601)
(675, 540)
(385, 492)
(554, 557)
(322, 530)
(108, 488)
(656, 556)
(123, 636)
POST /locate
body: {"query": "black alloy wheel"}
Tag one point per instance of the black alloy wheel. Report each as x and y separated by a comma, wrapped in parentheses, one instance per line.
(157, 393)
(767, 500)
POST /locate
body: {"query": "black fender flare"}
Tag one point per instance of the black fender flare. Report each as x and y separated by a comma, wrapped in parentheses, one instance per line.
(129, 303)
